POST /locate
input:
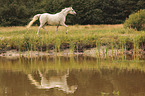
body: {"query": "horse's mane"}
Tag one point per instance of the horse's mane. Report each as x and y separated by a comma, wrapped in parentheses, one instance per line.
(65, 9)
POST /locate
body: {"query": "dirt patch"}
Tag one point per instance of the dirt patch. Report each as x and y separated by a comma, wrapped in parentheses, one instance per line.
(14, 54)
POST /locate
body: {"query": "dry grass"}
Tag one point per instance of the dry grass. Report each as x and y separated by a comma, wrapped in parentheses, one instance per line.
(10, 29)
(78, 35)
(53, 28)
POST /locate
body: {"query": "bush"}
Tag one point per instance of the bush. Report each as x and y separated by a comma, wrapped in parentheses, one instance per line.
(136, 20)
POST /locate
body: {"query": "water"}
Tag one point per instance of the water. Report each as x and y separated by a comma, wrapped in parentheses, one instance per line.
(75, 76)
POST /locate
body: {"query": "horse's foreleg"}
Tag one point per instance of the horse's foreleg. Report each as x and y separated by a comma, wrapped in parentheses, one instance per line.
(66, 28)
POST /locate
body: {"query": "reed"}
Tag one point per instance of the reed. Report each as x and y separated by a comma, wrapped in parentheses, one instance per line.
(31, 50)
(136, 41)
(103, 53)
(98, 48)
(117, 51)
(77, 47)
(125, 51)
(19, 51)
(57, 46)
(72, 47)
(112, 48)
(122, 51)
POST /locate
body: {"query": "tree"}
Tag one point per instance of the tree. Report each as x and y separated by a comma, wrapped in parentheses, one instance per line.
(19, 12)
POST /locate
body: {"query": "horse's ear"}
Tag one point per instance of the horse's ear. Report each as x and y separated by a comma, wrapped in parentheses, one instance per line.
(65, 8)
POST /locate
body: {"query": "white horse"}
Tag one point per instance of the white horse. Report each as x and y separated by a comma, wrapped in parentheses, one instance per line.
(52, 19)
(59, 82)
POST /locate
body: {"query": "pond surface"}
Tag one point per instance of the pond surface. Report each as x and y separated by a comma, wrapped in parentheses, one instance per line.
(75, 76)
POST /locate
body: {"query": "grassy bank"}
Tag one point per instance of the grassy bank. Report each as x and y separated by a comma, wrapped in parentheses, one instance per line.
(79, 38)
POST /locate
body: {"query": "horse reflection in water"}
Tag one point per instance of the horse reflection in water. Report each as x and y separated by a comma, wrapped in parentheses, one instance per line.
(59, 82)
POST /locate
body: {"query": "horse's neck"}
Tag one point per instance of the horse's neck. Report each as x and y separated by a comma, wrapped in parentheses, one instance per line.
(64, 12)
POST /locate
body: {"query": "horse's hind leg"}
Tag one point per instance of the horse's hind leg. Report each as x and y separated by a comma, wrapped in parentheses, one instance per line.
(56, 29)
(42, 20)
(45, 29)
(39, 28)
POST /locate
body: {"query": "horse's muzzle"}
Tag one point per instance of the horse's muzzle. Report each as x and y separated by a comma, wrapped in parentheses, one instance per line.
(75, 13)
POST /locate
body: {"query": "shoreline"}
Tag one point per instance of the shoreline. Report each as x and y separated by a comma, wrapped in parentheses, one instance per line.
(91, 52)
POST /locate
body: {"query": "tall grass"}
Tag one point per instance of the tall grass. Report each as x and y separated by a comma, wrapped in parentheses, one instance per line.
(79, 38)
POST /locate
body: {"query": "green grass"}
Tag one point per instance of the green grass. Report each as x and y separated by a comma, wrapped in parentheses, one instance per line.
(81, 36)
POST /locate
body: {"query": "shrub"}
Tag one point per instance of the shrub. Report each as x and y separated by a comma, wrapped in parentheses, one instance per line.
(136, 20)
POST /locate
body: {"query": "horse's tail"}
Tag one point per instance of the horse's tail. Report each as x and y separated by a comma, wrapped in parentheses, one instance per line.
(33, 20)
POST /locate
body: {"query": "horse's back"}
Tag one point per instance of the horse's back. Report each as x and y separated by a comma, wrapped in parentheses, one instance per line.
(52, 19)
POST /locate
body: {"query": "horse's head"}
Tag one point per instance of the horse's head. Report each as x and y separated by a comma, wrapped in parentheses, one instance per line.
(71, 11)
(72, 89)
